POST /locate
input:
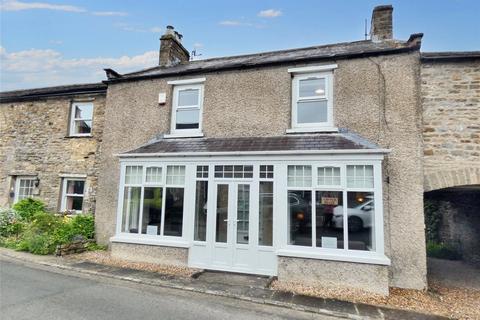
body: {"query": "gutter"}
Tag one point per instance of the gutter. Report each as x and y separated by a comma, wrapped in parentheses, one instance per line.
(251, 153)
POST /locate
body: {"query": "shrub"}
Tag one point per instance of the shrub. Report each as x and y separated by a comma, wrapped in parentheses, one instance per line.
(84, 225)
(443, 251)
(10, 223)
(27, 208)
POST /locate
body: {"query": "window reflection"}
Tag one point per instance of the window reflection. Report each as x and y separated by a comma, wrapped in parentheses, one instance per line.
(327, 233)
(300, 217)
(173, 212)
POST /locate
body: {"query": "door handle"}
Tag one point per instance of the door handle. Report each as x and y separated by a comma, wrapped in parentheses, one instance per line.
(225, 220)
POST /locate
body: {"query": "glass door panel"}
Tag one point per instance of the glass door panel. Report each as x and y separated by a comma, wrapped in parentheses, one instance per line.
(243, 213)
(221, 228)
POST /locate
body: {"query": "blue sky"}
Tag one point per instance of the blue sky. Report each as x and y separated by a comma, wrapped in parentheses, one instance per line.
(46, 43)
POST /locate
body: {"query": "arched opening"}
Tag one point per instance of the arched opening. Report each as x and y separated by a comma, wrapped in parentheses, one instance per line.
(452, 220)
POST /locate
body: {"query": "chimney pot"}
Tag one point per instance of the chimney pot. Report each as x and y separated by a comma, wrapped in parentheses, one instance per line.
(382, 23)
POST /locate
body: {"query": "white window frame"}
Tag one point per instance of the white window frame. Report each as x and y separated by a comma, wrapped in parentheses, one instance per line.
(139, 237)
(377, 255)
(174, 132)
(63, 202)
(17, 186)
(328, 97)
(73, 119)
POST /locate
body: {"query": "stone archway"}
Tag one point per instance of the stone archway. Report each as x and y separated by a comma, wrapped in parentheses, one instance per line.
(451, 178)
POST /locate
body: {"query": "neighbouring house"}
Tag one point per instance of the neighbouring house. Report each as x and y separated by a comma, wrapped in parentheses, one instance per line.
(49, 141)
(451, 117)
(307, 164)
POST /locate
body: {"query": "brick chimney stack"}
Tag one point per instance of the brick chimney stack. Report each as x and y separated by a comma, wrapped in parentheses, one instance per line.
(172, 51)
(382, 23)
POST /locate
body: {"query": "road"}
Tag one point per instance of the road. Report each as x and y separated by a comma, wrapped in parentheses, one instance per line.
(31, 292)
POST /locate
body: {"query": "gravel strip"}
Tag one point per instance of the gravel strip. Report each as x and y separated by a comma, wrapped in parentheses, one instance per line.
(104, 257)
(455, 303)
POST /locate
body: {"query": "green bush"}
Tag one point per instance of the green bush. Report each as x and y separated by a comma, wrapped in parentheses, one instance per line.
(443, 251)
(27, 208)
(10, 223)
(39, 232)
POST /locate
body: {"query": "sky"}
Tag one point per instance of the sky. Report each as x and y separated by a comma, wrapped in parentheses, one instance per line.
(53, 42)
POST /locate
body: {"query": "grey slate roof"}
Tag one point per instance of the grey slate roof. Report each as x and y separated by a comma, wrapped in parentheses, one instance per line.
(316, 53)
(450, 56)
(39, 93)
(315, 142)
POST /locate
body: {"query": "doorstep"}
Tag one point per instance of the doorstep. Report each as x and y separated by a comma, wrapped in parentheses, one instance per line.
(241, 286)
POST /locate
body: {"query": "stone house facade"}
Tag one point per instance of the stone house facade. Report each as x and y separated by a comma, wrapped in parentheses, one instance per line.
(41, 154)
(307, 164)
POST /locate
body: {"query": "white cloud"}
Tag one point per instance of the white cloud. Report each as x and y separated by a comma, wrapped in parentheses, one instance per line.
(47, 67)
(109, 13)
(156, 29)
(14, 5)
(270, 13)
(198, 45)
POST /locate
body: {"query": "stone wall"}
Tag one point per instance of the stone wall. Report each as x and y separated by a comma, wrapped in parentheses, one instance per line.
(150, 254)
(451, 120)
(34, 141)
(377, 98)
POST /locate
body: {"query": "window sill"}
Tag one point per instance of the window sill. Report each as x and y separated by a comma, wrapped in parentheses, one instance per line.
(79, 136)
(311, 130)
(150, 240)
(183, 135)
(350, 256)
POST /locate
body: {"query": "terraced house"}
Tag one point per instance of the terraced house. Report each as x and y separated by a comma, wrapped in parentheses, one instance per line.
(306, 164)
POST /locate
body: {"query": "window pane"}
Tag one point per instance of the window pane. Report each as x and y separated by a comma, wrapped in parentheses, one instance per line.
(83, 111)
(202, 171)
(201, 195)
(25, 189)
(222, 213)
(312, 111)
(328, 176)
(299, 176)
(187, 119)
(188, 97)
(265, 226)
(75, 186)
(154, 175)
(266, 172)
(312, 87)
(152, 210)
(300, 218)
(82, 126)
(133, 175)
(360, 176)
(173, 212)
(131, 209)
(329, 219)
(74, 203)
(175, 175)
(361, 213)
(243, 213)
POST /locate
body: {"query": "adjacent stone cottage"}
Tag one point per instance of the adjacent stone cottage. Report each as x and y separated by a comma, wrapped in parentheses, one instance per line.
(49, 140)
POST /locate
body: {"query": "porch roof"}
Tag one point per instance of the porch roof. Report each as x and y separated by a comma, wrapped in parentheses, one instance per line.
(311, 143)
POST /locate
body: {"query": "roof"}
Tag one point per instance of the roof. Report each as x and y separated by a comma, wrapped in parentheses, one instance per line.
(316, 53)
(39, 93)
(450, 56)
(278, 144)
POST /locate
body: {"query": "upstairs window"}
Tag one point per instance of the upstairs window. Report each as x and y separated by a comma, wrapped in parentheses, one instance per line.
(81, 119)
(312, 98)
(187, 109)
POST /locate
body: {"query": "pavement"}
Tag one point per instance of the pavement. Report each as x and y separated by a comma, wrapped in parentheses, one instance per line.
(166, 296)
(454, 273)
